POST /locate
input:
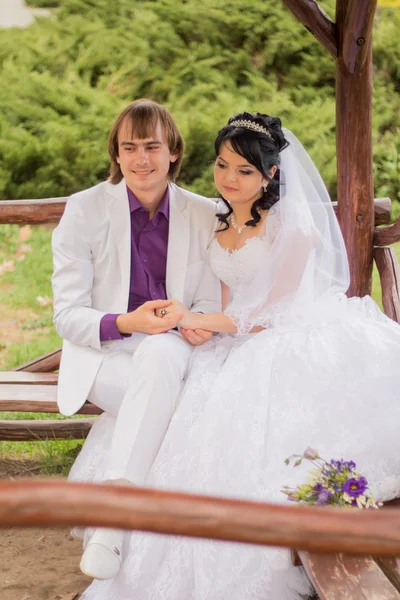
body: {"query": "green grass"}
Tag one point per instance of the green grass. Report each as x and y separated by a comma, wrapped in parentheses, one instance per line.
(29, 325)
(31, 277)
(53, 457)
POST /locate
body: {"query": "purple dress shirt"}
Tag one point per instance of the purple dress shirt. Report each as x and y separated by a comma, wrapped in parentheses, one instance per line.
(149, 244)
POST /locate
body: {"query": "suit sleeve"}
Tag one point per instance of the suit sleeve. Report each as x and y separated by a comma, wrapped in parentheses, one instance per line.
(74, 318)
(207, 298)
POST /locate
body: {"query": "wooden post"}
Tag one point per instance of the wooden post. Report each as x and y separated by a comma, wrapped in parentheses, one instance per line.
(354, 19)
(350, 39)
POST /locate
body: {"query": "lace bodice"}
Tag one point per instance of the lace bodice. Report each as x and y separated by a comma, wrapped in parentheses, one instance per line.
(238, 266)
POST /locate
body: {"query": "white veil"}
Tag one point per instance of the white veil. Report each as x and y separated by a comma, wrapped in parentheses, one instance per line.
(306, 256)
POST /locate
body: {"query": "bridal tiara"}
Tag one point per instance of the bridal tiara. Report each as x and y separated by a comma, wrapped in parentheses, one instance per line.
(251, 125)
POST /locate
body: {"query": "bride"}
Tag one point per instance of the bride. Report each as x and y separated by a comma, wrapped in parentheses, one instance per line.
(295, 364)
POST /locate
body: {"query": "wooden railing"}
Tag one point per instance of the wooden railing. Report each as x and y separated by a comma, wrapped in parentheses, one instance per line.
(50, 210)
(49, 503)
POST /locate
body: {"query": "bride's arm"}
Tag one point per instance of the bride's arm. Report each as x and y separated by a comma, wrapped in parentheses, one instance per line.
(225, 295)
(215, 322)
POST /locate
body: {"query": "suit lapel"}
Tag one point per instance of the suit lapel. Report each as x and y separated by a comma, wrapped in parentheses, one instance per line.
(178, 243)
(119, 215)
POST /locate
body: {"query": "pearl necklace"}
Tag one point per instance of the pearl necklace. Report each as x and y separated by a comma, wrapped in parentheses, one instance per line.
(235, 225)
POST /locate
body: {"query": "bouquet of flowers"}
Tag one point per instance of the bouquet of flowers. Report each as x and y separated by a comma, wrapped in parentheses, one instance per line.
(334, 483)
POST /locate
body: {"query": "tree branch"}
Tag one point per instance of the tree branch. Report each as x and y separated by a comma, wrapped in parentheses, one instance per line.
(316, 21)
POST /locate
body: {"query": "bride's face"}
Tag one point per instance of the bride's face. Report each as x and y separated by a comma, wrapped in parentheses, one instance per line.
(237, 180)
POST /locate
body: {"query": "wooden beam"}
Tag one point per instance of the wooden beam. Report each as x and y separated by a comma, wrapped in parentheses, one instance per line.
(354, 162)
(389, 272)
(36, 398)
(18, 377)
(309, 13)
(49, 503)
(386, 236)
(44, 364)
(31, 211)
(38, 430)
(12, 212)
(382, 210)
(357, 34)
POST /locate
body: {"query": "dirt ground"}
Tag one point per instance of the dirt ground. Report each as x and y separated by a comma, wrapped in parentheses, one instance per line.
(38, 564)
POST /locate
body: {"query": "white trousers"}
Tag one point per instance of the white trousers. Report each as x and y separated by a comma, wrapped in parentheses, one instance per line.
(138, 383)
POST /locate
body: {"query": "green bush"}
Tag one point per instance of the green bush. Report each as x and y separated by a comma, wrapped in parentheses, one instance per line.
(66, 77)
(43, 3)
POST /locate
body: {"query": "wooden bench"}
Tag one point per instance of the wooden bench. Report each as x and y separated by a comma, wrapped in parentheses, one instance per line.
(33, 388)
(343, 577)
(37, 392)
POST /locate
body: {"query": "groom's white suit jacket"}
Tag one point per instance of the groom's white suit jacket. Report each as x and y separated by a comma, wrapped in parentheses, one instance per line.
(92, 250)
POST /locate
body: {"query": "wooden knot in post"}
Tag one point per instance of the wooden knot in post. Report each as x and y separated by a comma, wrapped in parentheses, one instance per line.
(360, 41)
(359, 218)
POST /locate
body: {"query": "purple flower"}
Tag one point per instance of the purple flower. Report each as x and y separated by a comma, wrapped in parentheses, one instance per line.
(318, 487)
(324, 497)
(355, 487)
(341, 465)
(350, 465)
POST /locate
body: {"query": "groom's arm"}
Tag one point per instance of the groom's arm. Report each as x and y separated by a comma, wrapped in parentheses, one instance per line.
(75, 318)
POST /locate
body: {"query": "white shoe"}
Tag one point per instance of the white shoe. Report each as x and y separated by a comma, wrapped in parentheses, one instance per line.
(102, 556)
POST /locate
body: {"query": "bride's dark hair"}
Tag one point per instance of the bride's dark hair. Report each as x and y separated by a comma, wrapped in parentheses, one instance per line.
(261, 151)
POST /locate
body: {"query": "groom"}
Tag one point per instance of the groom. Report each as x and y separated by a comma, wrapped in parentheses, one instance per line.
(121, 250)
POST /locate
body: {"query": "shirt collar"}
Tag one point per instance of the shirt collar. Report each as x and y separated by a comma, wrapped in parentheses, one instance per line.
(134, 204)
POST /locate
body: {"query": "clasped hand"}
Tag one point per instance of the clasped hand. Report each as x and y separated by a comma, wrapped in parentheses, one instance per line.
(176, 311)
(149, 319)
(188, 321)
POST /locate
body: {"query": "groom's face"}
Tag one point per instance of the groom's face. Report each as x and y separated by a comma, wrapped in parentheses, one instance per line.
(144, 162)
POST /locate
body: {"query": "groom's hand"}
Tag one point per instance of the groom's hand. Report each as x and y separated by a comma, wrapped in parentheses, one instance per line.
(196, 337)
(144, 320)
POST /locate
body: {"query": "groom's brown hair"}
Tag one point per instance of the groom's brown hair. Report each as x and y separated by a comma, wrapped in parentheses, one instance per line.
(142, 116)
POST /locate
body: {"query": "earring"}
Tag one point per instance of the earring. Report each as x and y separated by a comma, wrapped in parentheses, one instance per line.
(265, 187)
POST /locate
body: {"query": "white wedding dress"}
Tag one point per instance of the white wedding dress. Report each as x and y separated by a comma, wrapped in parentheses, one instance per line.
(248, 403)
(324, 373)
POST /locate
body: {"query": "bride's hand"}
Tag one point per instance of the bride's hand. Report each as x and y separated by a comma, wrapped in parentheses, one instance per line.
(188, 320)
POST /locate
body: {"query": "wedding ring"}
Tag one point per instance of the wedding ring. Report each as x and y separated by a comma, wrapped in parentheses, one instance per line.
(163, 312)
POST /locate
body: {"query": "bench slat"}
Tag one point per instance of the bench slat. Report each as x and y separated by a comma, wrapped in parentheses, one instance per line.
(340, 577)
(30, 430)
(391, 568)
(36, 398)
(44, 364)
(17, 377)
